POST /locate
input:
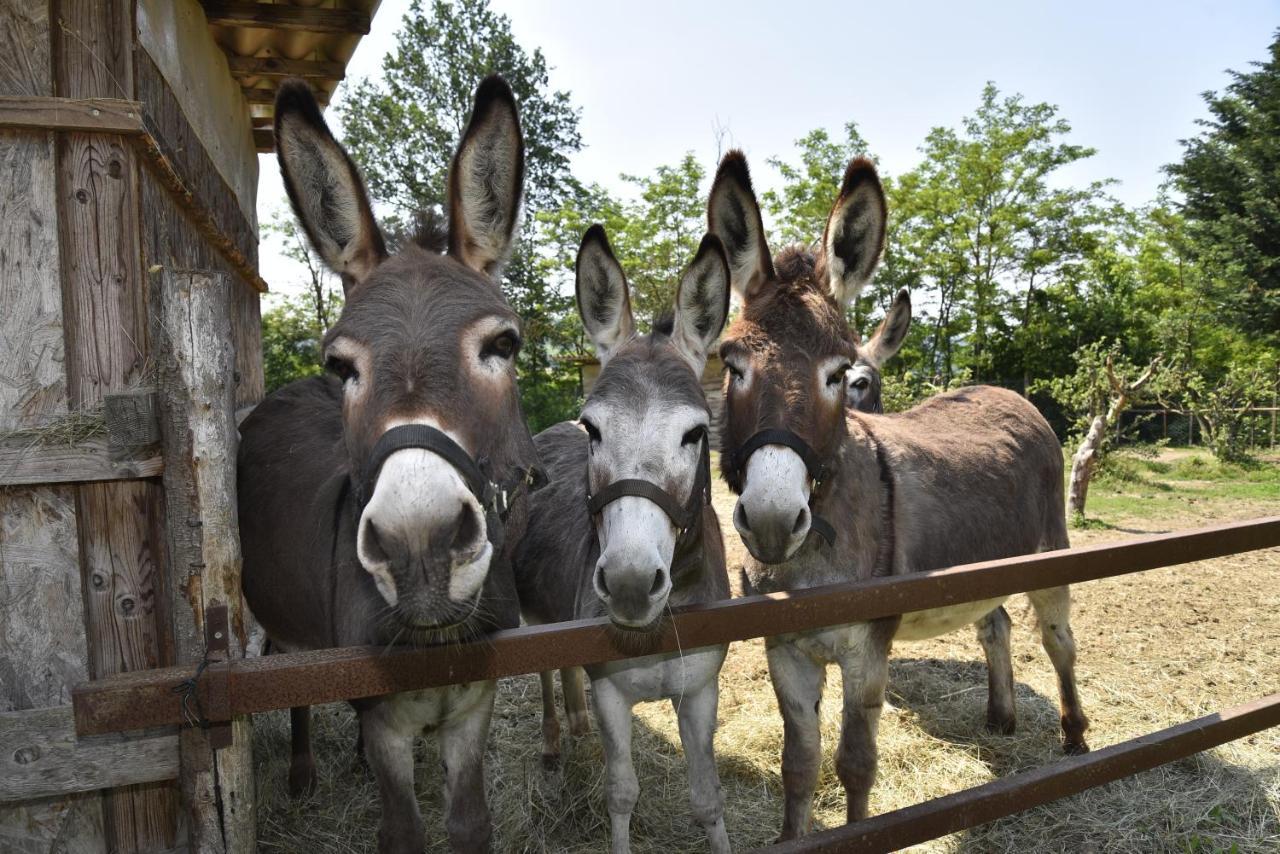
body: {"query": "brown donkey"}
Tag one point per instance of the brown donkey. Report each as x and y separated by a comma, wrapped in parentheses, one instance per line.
(381, 504)
(828, 495)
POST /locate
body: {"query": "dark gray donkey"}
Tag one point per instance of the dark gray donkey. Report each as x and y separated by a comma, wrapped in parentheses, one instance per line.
(626, 527)
(381, 503)
(827, 494)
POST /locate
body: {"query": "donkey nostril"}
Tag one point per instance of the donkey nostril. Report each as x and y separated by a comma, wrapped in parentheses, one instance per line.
(740, 518)
(659, 582)
(373, 546)
(600, 582)
(802, 521)
(466, 529)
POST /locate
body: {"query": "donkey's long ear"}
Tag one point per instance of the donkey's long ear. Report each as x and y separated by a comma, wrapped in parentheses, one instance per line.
(486, 180)
(604, 301)
(325, 188)
(891, 332)
(854, 237)
(733, 215)
(702, 303)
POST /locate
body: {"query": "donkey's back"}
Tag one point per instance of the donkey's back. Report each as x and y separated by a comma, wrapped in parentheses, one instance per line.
(978, 476)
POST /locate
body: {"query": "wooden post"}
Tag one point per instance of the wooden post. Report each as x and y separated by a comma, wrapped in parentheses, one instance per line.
(195, 360)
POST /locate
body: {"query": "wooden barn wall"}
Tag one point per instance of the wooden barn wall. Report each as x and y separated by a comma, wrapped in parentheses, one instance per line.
(40, 658)
(174, 37)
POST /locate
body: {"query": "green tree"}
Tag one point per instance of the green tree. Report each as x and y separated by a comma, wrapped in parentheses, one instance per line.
(402, 129)
(293, 328)
(1229, 178)
(989, 236)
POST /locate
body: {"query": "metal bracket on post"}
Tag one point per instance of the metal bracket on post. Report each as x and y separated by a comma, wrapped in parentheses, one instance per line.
(217, 696)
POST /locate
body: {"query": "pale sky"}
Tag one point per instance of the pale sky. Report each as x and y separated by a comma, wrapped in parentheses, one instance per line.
(656, 79)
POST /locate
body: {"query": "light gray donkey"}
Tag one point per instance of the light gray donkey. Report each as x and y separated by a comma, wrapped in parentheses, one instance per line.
(828, 495)
(625, 527)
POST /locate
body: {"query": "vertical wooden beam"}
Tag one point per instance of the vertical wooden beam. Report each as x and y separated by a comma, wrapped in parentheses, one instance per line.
(105, 324)
(195, 359)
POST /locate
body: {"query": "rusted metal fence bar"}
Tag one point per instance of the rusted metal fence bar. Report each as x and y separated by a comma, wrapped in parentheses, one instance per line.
(147, 699)
(1018, 792)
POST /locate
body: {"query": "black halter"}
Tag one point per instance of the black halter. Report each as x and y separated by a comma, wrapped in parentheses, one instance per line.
(812, 462)
(683, 516)
(495, 497)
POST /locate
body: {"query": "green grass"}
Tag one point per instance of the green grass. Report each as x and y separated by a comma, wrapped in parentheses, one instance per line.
(1141, 485)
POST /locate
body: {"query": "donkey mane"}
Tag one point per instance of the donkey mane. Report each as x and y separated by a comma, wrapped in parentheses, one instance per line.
(430, 231)
(796, 262)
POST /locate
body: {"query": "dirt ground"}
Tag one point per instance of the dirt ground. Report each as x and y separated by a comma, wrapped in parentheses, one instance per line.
(1155, 649)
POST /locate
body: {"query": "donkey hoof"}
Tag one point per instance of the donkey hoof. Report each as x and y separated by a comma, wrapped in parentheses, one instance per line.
(1075, 748)
(1002, 726)
(550, 762)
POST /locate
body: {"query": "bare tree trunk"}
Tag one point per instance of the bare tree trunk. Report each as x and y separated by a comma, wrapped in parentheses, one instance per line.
(1083, 460)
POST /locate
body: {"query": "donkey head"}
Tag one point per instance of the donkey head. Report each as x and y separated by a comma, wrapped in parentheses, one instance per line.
(424, 339)
(647, 420)
(863, 393)
(789, 353)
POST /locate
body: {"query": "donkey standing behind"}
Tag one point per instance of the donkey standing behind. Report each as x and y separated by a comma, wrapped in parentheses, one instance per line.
(626, 526)
(970, 475)
(372, 501)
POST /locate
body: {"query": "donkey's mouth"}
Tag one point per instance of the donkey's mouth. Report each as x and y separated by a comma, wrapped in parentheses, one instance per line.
(636, 640)
(458, 623)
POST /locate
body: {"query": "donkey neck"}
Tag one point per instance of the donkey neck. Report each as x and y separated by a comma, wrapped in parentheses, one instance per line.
(858, 499)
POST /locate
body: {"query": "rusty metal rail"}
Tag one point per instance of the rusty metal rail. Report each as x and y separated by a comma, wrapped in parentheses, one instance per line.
(1018, 792)
(146, 698)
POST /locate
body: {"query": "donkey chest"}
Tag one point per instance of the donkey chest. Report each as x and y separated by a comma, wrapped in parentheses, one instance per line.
(414, 711)
(656, 677)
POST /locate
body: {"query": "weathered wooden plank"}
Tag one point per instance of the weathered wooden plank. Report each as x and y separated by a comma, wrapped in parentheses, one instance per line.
(196, 365)
(43, 757)
(42, 653)
(24, 462)
(40, 657)
(278, 66)
(24, 48)
(244, 13)
(105, 324)
(107, 115)
(32, 379)
(180, 150)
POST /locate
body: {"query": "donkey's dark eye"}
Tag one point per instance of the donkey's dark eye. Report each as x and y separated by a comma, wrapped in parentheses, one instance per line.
(343, 369)
(504, 346)
(837, 376)
(693, 436)
(593, 432)
(861, 383)
(734, 372)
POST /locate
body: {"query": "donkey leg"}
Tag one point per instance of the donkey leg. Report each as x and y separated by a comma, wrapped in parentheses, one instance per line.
(573, 683)
(389, 750)
(697, 716)
(462, 743)
(622, 789)
(550, 721)
(865, 675)
(1053, 613)
(302, 762)
(993, 634)
(797, 681)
